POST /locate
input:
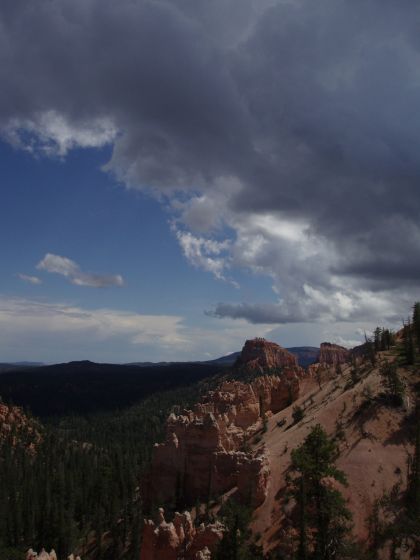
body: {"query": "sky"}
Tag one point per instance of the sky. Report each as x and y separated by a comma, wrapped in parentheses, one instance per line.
(179, 176)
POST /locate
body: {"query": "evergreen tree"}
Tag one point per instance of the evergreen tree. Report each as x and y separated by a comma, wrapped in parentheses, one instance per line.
(414, 486)
(377, 337)
(409, 349)
(393, 384)
(324, 518)
(416, 323)
(236, 541)
(370, 349)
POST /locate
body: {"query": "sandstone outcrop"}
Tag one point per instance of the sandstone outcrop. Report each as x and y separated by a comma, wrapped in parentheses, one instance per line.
(259, 356)
(202, 453)
(17, 429)
(333, 354)
(44, 555)
(205, 452)
(179, 538)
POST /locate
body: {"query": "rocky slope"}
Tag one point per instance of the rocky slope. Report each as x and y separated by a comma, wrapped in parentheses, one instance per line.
(374, 446)
(207, 450)
(239, 439)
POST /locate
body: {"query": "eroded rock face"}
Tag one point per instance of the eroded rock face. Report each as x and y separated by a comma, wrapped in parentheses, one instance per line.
(259, 355)
(253, 479)
(16, 428)
(205, 454)
(44, 555)
(333, 354)
(202, 455)
(179, 539)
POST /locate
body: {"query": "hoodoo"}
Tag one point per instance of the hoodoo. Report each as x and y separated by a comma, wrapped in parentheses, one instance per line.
(205, 452)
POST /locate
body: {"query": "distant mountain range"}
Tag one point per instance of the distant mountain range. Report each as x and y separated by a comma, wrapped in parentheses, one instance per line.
(86, 386)
(306, 355)
(18, 365)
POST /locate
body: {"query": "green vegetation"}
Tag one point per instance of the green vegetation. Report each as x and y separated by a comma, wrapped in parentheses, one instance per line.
(414, 482)
(392, 381)
(323, 520)
(82, 480)
(416, 323)
(298, 414)
(236, 543)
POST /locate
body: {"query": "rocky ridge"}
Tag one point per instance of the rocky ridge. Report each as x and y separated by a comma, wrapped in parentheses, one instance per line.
(333, 354)
(204, 454)
(218, 438)
(259, 355)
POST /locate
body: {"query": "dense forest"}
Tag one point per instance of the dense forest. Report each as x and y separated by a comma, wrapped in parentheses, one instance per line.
(78, 484)
(87, 387)
(83, 478)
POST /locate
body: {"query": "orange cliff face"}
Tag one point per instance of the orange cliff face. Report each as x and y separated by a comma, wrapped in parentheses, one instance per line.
(168, 541)
(204, 452)
(333, 354)
(259, 355)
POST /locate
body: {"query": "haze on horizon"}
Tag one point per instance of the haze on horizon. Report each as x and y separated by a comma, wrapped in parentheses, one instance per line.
(179, 176)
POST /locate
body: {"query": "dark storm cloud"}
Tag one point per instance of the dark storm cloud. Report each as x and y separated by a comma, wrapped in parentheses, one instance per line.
(313, 108)
(259, 313)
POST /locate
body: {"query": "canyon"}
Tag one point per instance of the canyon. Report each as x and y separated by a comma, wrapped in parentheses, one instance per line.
(236, 443)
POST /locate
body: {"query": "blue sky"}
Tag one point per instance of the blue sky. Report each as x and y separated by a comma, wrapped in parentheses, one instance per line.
(71, 208)
(178, 176)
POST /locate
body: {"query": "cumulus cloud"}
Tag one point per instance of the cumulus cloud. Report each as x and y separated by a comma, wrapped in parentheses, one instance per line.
(71, 270)
(208, 254)
(289, 127)
(316, 306)
(30, 279)
(51, 134)
(39, 329)
(19, 314)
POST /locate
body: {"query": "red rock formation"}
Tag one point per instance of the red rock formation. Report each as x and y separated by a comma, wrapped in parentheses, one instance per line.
(44, 555)
(332, 354)
(16, 428)
(259, 355)
(253, 479)
(179, 538)
(201, 455)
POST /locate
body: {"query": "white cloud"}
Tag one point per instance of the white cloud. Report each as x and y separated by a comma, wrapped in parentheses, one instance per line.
(306, 154)
(208, 254)
(71, 270)
(52, 134)
(30, 279)
(56, 331)
(23, 316)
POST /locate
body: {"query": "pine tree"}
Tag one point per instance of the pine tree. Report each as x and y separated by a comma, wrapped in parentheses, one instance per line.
(409, 350)
(394, 386)
(324, 518)
(370, 349)
(377, 336)
(416, 323)
(414, 487)
(303, 537)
